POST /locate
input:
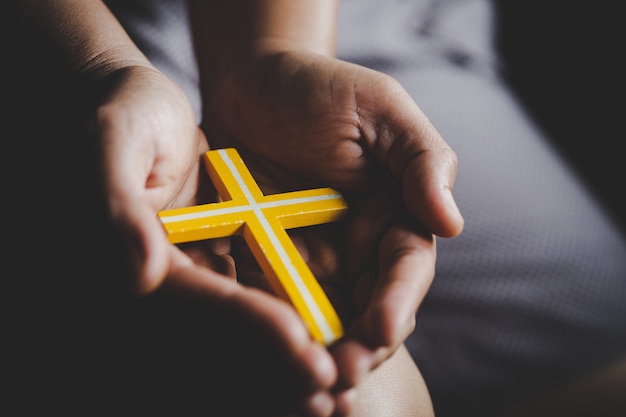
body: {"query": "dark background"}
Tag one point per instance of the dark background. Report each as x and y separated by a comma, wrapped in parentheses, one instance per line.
(564, 58)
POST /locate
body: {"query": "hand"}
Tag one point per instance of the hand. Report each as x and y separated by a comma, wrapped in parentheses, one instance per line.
(333, 123)
(148, 147)
(302, 120)
(150, 152)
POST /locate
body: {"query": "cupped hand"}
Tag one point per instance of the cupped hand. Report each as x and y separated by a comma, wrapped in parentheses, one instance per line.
(148, 146)
(337, 124)
(150, 155)
(302, 120)
(375, 266)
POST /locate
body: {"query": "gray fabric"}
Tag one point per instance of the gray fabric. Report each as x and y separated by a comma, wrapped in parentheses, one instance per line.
(534, 290)
(160, 28)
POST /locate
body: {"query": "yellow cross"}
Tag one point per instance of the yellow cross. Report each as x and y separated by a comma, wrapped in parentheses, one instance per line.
(262, 220)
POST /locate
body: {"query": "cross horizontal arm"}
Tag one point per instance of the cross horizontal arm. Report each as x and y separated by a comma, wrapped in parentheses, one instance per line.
(262, 220)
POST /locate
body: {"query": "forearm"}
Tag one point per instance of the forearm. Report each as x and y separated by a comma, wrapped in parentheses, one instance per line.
(231, 32)
(84, 35)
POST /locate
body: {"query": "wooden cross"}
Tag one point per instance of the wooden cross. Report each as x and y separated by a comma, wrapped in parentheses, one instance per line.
(263, 220)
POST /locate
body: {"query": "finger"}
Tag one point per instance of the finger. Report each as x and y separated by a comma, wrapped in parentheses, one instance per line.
(214, 254)
(355, 360)
(407, 262)
(427, 187)
(137, 183)
(402, 137)
(407, 268)
(281, 328)
(146, 247)
(132, 211)
(320, 404)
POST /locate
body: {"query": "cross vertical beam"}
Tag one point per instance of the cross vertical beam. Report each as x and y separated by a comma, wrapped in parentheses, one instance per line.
(263, 220)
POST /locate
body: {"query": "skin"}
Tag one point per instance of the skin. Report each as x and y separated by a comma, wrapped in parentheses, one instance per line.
(300, 118)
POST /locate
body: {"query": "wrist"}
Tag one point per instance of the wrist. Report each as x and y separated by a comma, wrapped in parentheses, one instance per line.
(233, 37)
(103, 64)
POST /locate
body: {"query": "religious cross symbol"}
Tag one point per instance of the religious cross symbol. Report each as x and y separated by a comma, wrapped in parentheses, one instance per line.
(263, 220)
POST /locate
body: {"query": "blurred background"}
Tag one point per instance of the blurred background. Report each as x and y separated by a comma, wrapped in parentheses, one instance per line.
(566, 60)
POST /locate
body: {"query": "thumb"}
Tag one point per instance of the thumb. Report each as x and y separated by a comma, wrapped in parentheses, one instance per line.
(146, 247)
(400, 135)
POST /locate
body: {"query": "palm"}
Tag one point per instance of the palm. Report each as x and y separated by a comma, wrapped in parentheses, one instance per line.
(349, 258)
(301, 115)
(302, 121)
(332, 123)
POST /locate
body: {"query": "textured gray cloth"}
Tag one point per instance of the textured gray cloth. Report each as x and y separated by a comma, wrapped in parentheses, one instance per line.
(533, 292)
